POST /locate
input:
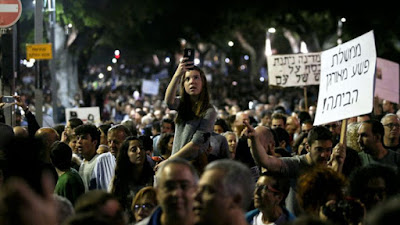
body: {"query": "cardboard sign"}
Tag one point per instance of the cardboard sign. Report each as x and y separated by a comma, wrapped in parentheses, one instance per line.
(86, 114)
(294, 70)
(150, 87)
(387, 80)
(346, 86)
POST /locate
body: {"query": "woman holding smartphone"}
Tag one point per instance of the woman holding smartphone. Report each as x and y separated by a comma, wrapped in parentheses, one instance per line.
(196, 115)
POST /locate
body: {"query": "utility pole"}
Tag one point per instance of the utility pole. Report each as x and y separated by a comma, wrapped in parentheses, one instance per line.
(39, 78)
(52, 23)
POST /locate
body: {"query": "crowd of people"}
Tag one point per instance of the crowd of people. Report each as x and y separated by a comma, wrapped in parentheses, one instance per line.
(187, 161)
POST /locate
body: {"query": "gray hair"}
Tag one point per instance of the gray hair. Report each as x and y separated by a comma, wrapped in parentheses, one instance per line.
(64, 208)
(177, 160)
(388, 115)
(238, 179)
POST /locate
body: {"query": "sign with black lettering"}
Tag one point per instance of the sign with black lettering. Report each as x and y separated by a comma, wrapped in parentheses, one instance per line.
(86, 114)
(346, 86)
(294, 69)
(39, 51)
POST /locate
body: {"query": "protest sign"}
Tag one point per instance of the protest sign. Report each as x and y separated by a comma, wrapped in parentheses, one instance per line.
(294, 69)
(150, 87)
(86, 114)
(387, 80)
(347, 80)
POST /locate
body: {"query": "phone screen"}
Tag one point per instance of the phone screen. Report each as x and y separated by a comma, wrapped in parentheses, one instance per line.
(189, 53)
(8, 99)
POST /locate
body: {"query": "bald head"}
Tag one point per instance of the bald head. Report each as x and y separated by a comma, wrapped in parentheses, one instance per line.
(20, 131)
(48, 136)
(266, 137)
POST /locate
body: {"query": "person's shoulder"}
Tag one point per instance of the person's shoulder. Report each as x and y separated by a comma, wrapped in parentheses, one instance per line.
(152, 219)
(296, 158)
(105, 156)
(106, 159)
(145, 221)
(212, 109)
(251, 214)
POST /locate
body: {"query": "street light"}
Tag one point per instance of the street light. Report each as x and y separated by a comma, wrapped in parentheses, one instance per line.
(303, 47)
(268, 49)
(339, 30)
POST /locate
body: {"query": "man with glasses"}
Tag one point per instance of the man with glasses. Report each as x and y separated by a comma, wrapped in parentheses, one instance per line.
(371, 135)
(176, 182)
(391, 124)
(269, 200)
(335, 128)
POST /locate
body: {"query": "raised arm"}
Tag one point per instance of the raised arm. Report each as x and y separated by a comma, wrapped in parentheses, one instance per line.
(172, 88)
(33, 125)
(261, 147)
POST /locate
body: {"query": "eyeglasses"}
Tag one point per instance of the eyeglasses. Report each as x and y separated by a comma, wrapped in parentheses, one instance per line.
(172, 186)
(391, 125)
(145, 206)
(266, 188)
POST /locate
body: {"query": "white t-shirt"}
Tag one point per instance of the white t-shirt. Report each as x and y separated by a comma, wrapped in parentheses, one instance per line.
(86, 171)
(257, 220)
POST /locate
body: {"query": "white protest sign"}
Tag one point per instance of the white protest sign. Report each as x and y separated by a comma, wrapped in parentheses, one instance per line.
(346, 86)
(294, 69)
(387, 80)
(86, 114)
(150, 87)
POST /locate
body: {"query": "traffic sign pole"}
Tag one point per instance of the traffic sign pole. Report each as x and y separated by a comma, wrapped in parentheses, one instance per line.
(10, 12)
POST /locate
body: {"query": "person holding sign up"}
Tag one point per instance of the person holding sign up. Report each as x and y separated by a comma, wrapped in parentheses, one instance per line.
(320, 152)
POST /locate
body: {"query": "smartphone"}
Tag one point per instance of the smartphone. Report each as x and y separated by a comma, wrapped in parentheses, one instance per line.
(189, 53)
(8, 99)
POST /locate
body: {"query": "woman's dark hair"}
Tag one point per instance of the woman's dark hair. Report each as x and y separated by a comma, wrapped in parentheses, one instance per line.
(163, 142)
(124, 170)
(186, 111)
(223, 124)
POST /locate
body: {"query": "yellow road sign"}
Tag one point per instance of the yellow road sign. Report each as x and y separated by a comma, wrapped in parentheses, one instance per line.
(39, 51)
